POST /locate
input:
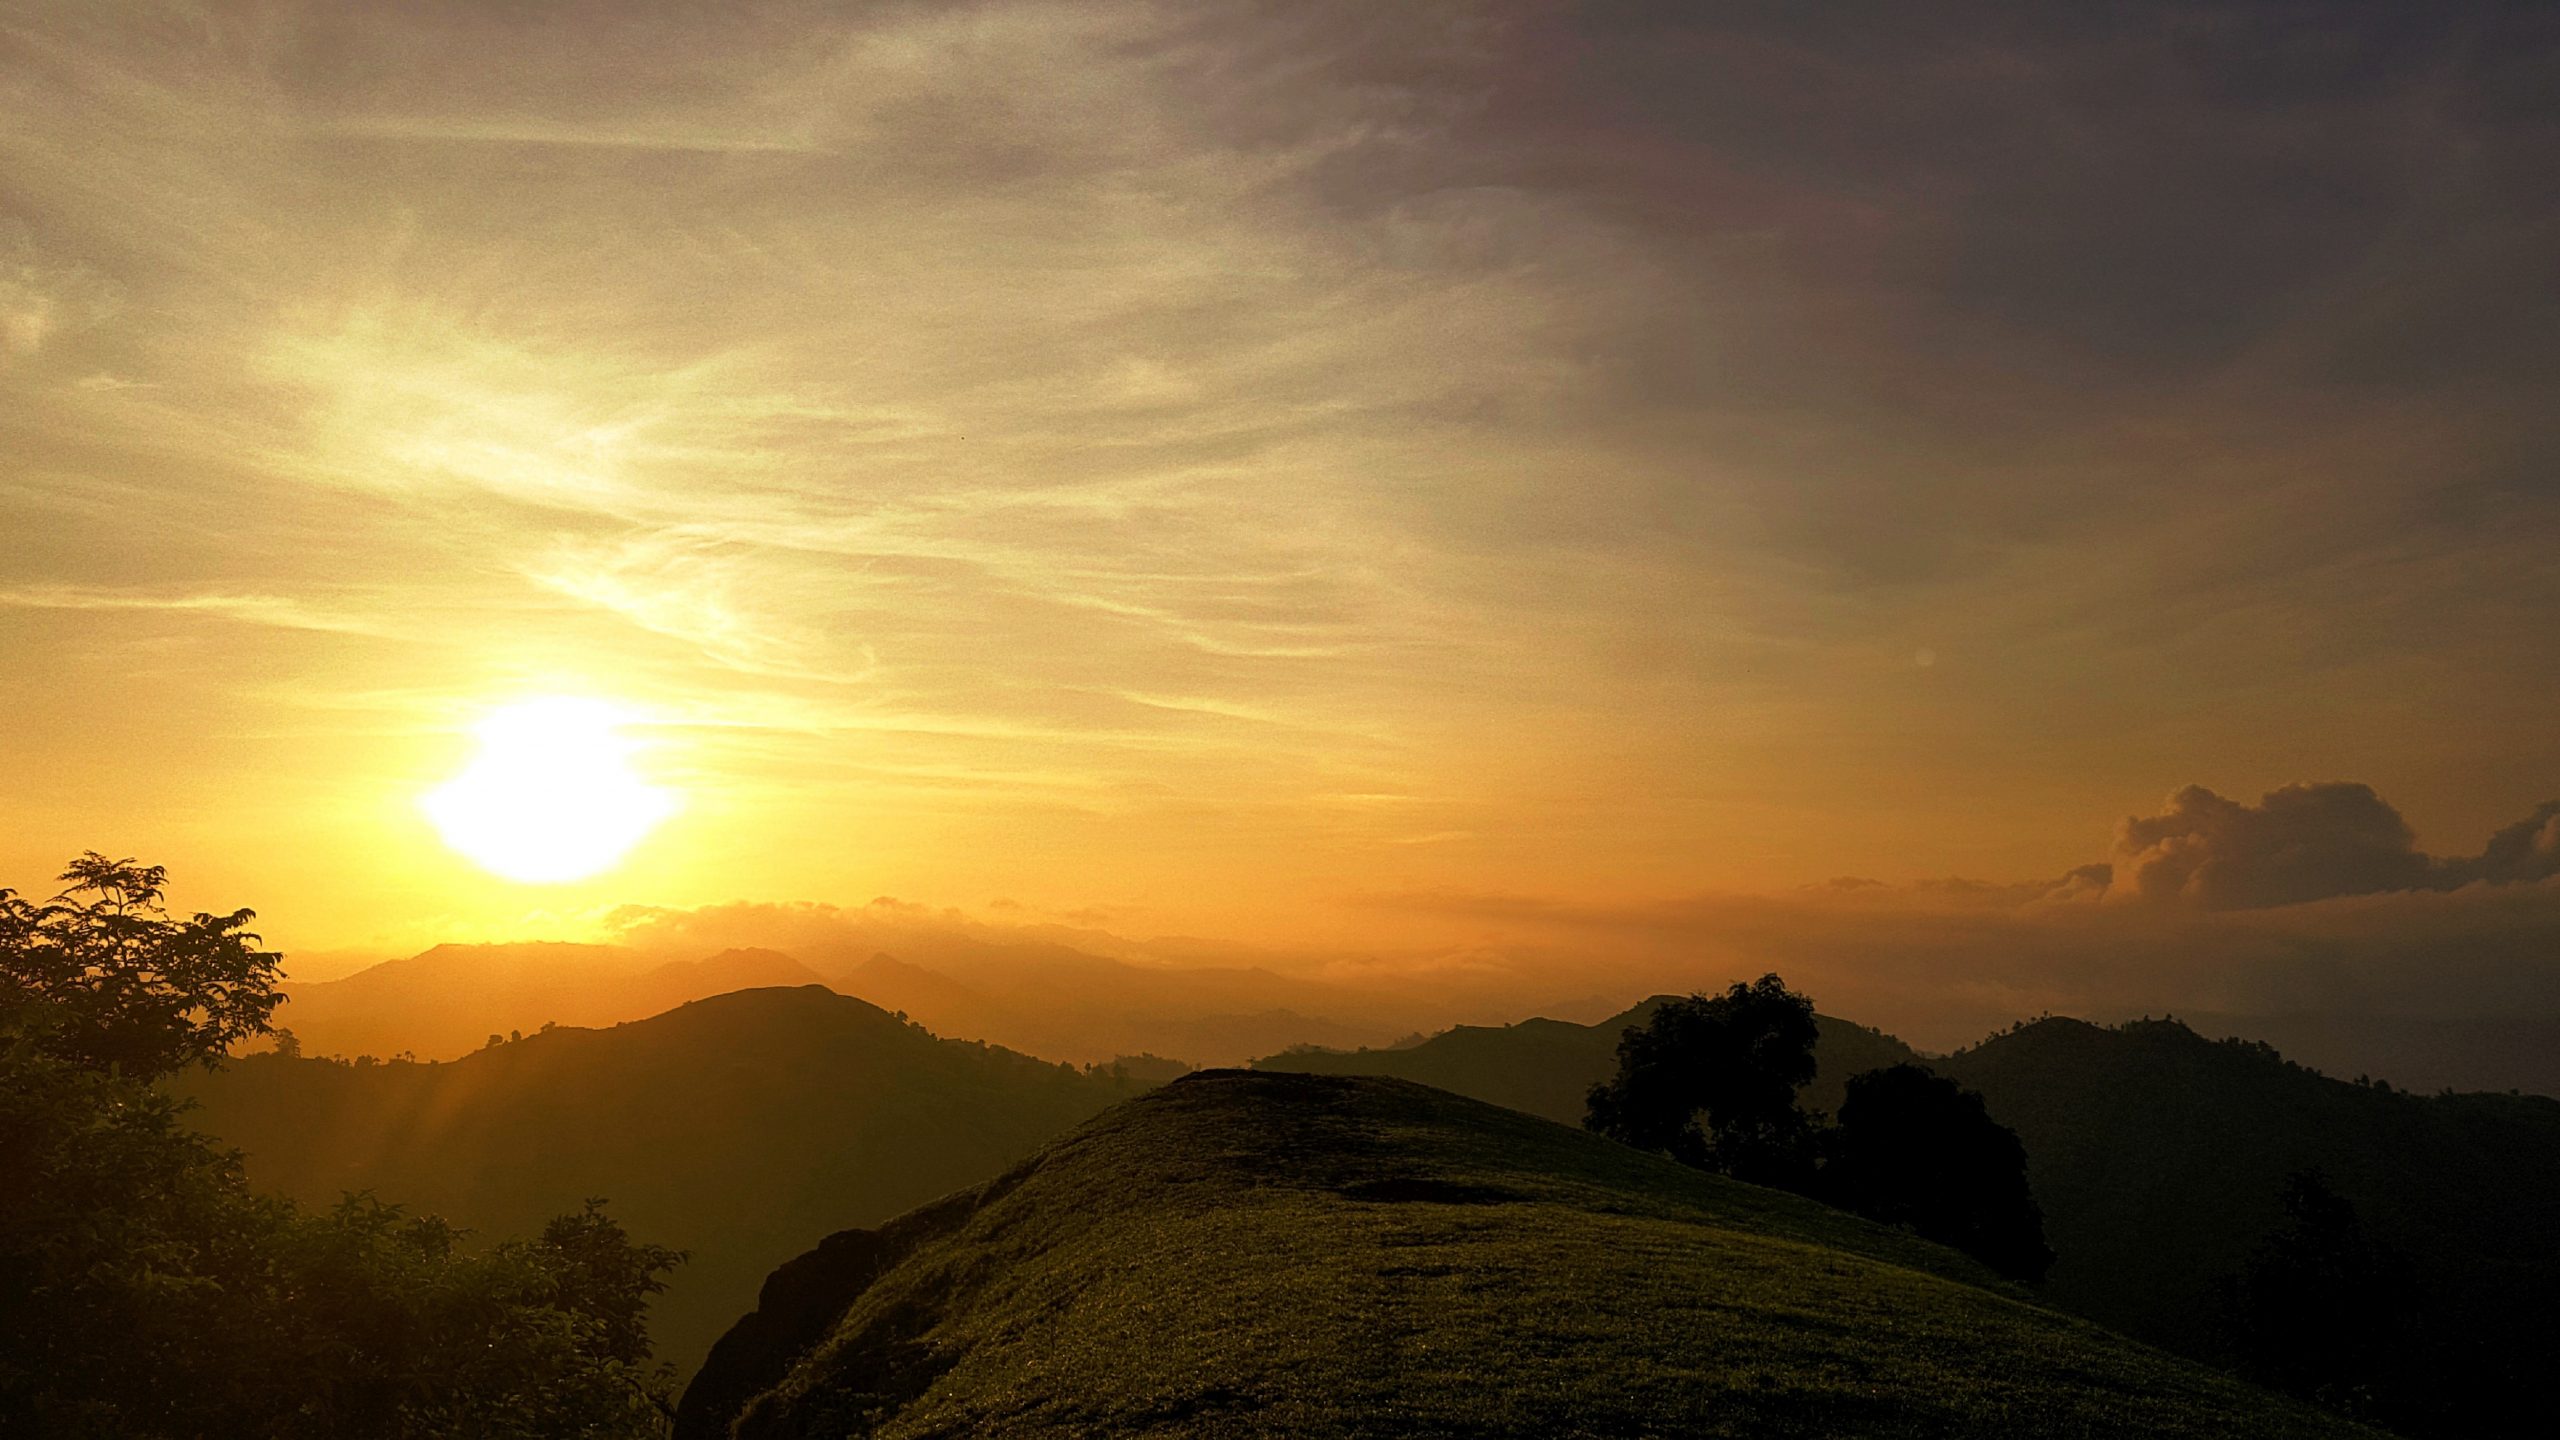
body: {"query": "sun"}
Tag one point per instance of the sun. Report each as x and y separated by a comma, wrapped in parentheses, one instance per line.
(551, 797)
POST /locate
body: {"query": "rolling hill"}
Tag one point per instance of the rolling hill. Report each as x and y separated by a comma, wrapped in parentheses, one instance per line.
(1546, 1067)
(741, 1128)
(1249, 1254)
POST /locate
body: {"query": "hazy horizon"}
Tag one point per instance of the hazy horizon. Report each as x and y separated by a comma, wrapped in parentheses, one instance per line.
(2313, 904)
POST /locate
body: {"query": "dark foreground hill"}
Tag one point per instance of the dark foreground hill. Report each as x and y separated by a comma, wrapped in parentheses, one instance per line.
(1546, 1067)
(1246, 1254)
(2158, 1157)
(741, 1128)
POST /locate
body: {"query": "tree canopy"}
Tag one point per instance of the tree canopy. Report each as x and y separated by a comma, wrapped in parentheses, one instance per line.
(1711, 1081)
(1915, 1148)
(103, 976)
(146, 1291)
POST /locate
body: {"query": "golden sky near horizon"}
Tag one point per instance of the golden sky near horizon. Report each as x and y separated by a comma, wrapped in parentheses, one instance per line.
(1192, 467)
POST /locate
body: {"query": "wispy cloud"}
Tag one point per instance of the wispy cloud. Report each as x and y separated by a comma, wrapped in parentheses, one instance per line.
(279, 611)
(504, 130)
(1578, 415)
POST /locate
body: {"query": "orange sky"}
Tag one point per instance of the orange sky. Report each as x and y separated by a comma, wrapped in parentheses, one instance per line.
(1200, 469)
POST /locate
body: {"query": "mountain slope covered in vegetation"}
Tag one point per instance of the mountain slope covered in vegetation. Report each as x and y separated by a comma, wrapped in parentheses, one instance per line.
(2159, 1158)
(1249, 1254)
(740, 1128)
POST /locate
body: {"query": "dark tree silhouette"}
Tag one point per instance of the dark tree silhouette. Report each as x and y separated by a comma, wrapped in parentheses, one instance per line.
(1915, 1148)
(147, 1292)
(109, 980)
(1712, 1080)
(2313, 1310)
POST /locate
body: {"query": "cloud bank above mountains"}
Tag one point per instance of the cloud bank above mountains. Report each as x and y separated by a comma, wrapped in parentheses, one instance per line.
(2308, 842)
(2310, 917)
(2313, 902)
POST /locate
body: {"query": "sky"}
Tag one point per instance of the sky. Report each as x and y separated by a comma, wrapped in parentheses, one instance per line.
(1318, 473)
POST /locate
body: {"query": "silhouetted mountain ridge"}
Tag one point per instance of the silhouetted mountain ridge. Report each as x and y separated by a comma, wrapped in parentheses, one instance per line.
(1040, 997)
(446, 1001)
(740, 1127)
(1047, 999)
(1546, 1067)
(2158, 1156)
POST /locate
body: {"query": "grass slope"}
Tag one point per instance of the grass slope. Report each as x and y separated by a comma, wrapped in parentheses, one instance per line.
(1243, 1254)
(1546, 1067)
(741, 1128)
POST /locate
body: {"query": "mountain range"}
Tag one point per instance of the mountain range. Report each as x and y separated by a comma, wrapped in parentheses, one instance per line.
(1546, 1067)
(1040, 997)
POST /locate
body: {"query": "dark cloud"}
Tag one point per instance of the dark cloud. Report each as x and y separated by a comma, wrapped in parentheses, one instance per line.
(2525, 851)
(2303, 843)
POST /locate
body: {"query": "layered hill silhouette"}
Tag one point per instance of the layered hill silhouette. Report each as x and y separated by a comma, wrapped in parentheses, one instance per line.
(1043, 998)
(1546, 1067)
(447, 1002)
(1252, 1254)
(2158, 1158)
(1053, 1000)
(2414, 1051)
(741, 1128)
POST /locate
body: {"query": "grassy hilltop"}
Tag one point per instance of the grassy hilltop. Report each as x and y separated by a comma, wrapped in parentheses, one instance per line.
(1246, 1254)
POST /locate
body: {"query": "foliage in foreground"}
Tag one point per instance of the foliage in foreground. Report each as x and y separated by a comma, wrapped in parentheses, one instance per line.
(146, 1291)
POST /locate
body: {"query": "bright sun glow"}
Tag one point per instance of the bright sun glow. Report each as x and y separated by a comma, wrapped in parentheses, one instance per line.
(551, 797)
